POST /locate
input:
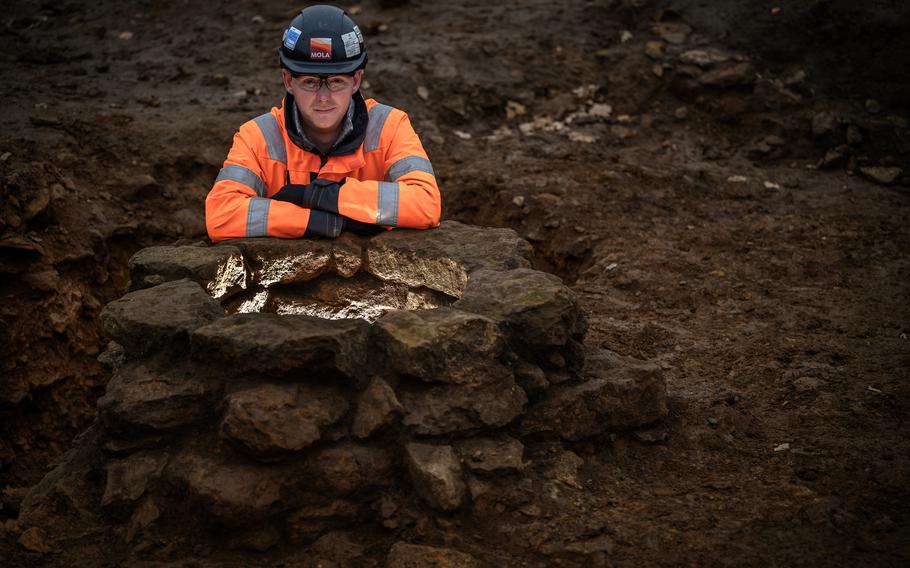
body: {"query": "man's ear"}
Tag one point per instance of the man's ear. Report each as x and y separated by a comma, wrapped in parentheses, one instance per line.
(358, 79)
(286, 78)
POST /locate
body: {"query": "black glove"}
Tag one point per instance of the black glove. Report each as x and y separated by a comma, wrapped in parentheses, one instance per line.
(325, 224)
(319, 194)
(361, 228)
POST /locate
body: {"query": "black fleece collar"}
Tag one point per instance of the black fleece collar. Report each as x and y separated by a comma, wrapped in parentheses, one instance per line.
(347, 144)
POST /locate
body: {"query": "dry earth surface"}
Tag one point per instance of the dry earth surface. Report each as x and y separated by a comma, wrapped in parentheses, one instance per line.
(724, 184)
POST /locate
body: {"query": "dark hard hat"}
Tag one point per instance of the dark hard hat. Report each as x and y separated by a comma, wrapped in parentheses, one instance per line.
(322, 40)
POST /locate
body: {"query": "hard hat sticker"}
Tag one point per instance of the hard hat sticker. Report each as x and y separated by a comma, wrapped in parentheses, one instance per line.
(290, 37)
(359, 35)
(321, 48)
(351, 44)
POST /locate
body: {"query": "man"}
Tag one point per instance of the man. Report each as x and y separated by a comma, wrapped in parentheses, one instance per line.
(327, 160)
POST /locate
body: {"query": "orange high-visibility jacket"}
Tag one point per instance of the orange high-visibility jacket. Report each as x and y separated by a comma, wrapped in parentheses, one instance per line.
(388, 179)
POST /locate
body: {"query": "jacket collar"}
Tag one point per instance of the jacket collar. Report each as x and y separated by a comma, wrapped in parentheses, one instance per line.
(352, 131)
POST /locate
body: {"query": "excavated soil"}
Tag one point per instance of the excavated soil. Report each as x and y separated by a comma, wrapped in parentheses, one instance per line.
(738, 215)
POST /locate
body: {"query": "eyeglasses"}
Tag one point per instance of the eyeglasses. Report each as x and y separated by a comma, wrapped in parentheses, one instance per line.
(335, 83)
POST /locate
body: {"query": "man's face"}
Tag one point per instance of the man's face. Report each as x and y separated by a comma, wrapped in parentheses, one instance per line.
(322, 108)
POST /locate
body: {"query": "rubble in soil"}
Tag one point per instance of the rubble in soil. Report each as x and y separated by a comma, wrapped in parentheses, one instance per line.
(724, 190)
(278, 429)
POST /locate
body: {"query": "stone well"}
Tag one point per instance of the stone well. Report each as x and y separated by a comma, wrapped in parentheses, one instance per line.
(276, 389)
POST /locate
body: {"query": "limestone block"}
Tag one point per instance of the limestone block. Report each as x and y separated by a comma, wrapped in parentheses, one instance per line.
(442, 258)
(291, 346)
(537, 307)
(140, 398)
(443, 345)
(159, 317)
(219, 269)
(445, 409)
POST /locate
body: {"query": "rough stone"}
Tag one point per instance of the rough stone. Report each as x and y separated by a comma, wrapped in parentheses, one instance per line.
(378, 406)
(275, 262)
(293, 346)
(143, 399)
(146, 513)
(271, 419)
(436, 474)
(307, 523)
(734, 75)
(824, 125)
(258, 538)
(443, 345)
(232, 494)
(334, 297)
(113, 357)
(445, 409)
(218, 269)
(35, 540)
(442, 258)
(337, 547)
(564, 468)
(530, 377)
(284, 261)
(704, 57)
(404, 555)
(538, 308)
(128, 479)
(159, 317)
(881, 175)
(492, 456)
(65, 502)
(619, 394)
(346, 469)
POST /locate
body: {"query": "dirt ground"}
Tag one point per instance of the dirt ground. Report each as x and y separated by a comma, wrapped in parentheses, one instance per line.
(740, 215)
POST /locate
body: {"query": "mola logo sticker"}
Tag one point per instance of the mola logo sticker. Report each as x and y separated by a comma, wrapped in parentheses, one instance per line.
(321, 48)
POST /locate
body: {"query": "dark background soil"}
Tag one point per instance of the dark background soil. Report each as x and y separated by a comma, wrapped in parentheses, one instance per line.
(778, 305)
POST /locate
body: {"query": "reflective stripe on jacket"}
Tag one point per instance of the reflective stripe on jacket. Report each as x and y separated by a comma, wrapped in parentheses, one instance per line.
(389, 180)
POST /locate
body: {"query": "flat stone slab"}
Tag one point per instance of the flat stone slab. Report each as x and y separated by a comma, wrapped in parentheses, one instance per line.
(442, 258)
(142, 399)
(219, 269)
(158, 317)
(295, 347)
(275, 262)
(443, 345)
